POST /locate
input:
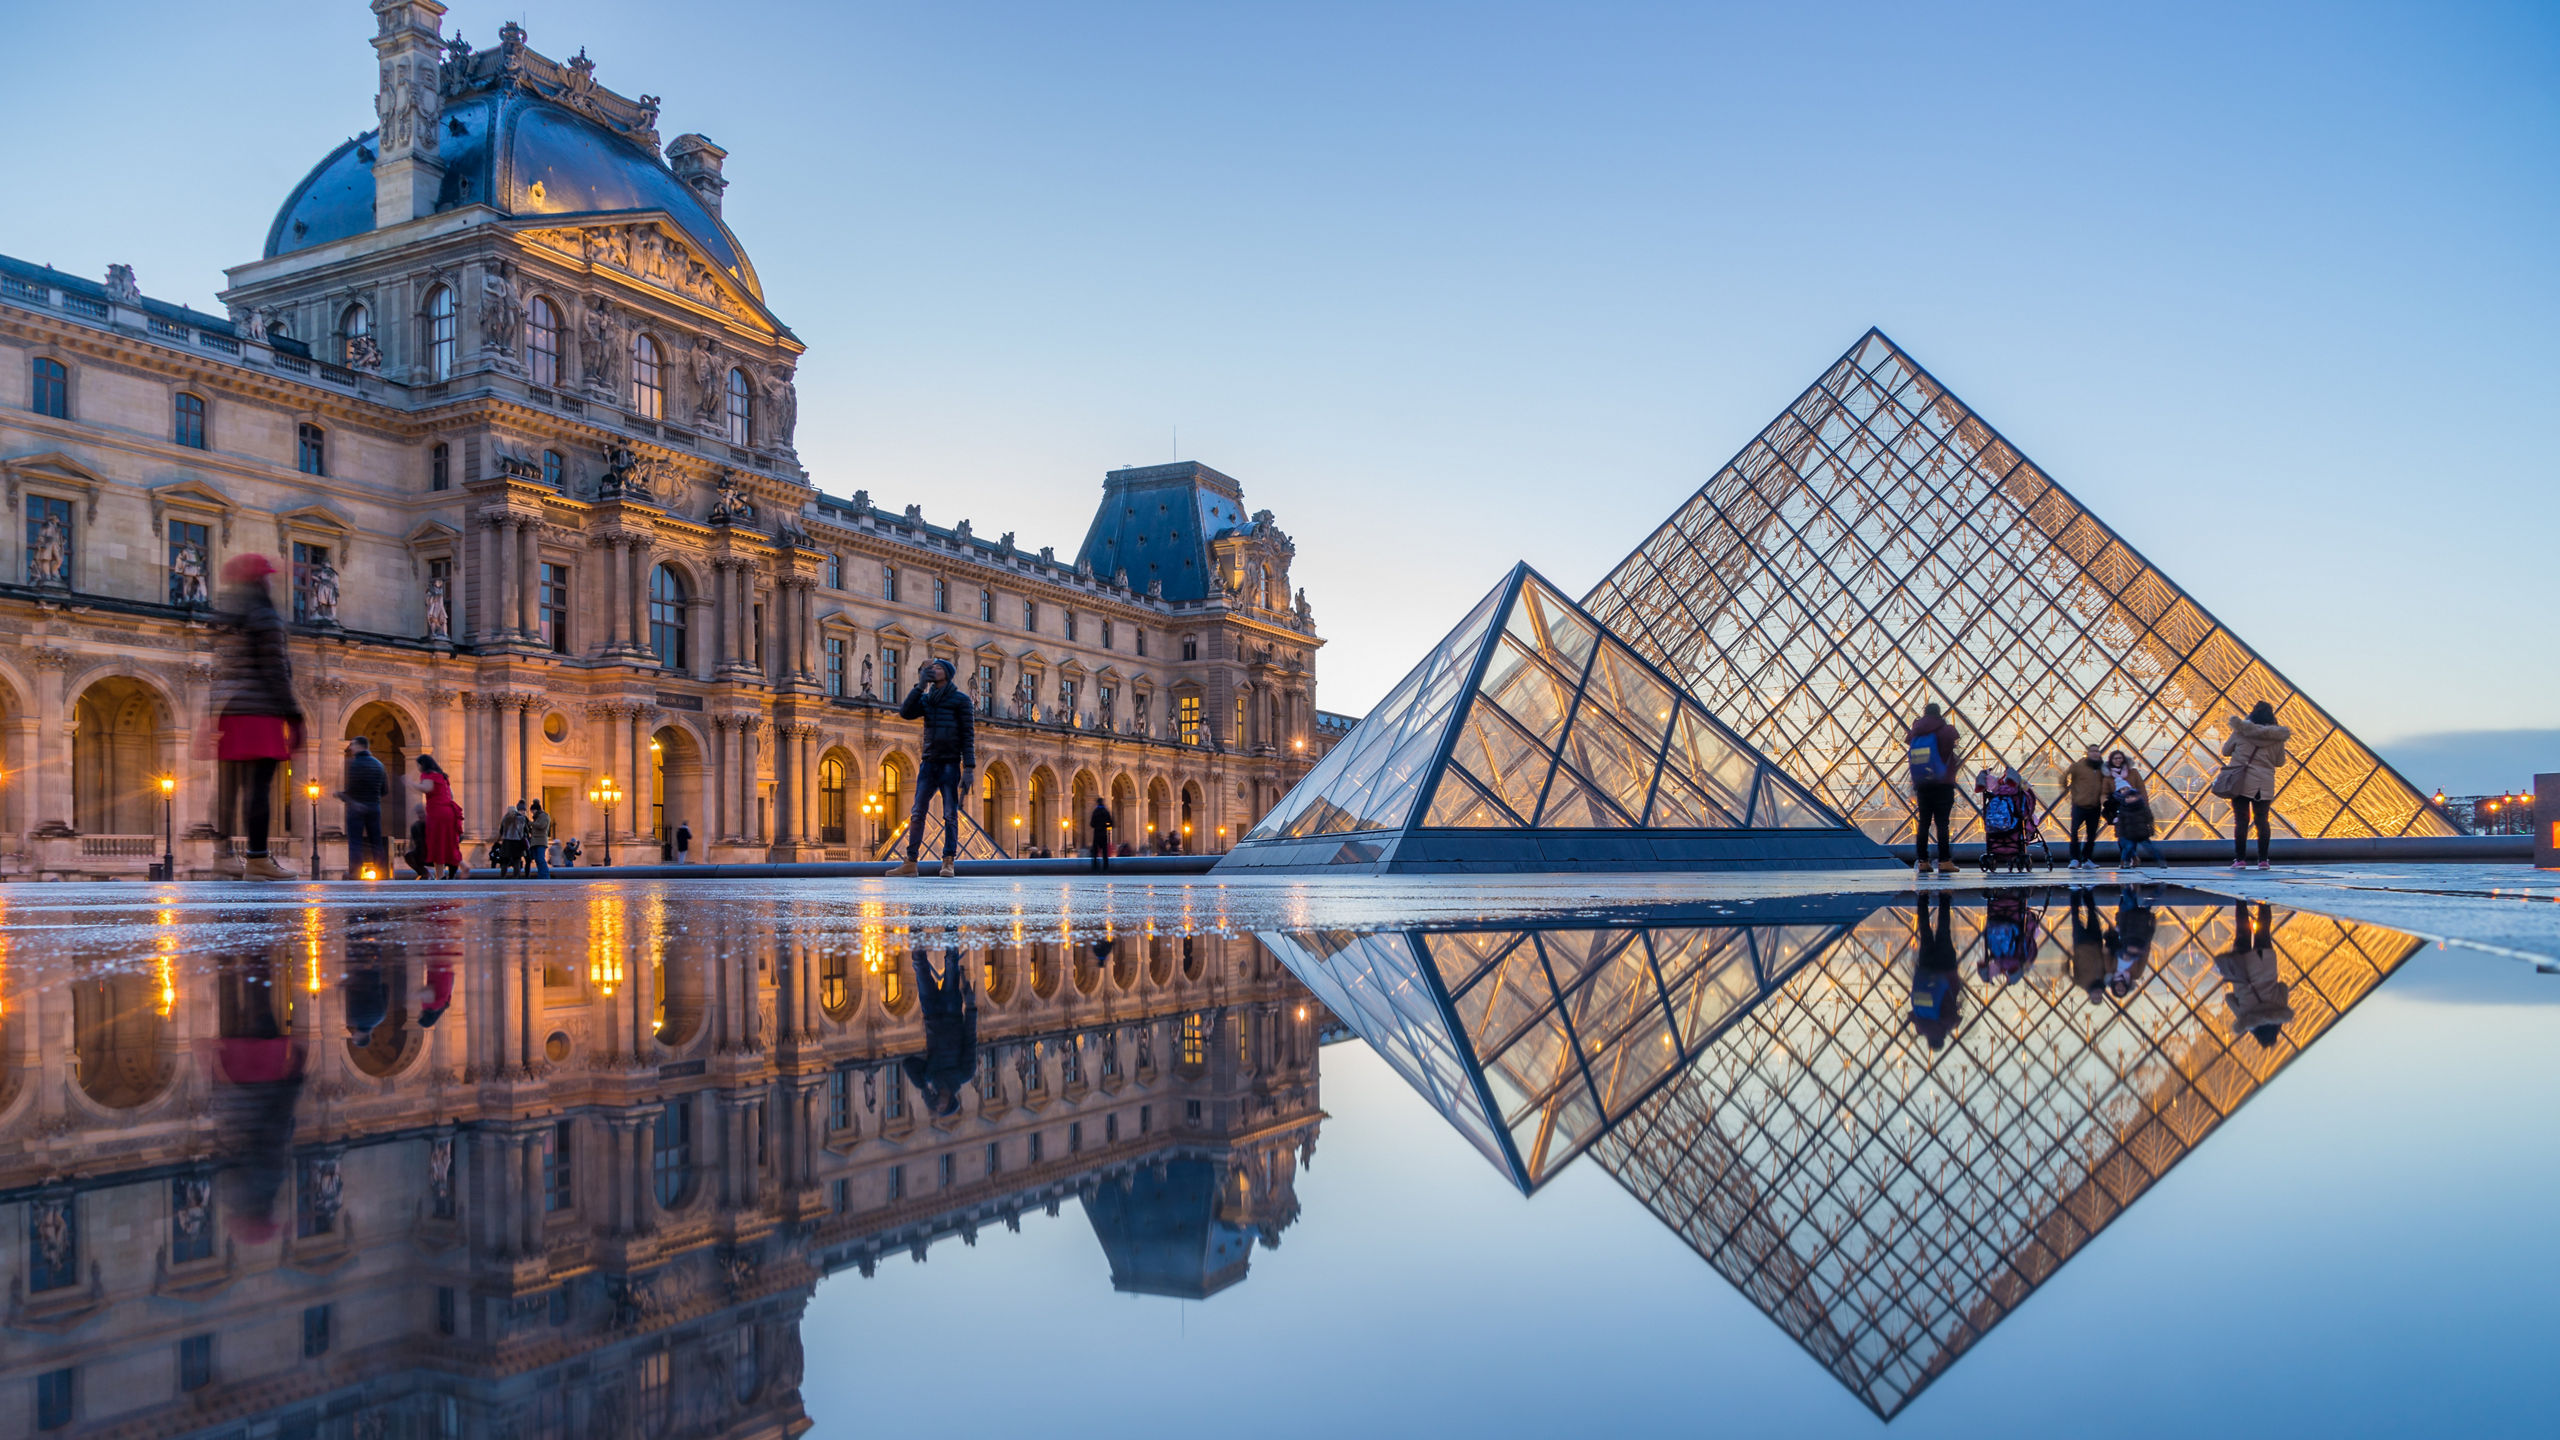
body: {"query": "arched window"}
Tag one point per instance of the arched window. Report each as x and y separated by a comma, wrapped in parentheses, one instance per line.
(354, 323)
(311, 450)
(667, 617)
(831, 802)
(189, 430)
(542, 341)
(440, 333)
(742, 409)
(648, 393)
(51, 389)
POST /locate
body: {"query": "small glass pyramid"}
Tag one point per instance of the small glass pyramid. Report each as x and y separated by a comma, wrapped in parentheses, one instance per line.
(1533, 739)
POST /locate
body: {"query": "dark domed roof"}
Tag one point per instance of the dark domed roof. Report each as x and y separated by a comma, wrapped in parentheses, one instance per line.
(510, 141)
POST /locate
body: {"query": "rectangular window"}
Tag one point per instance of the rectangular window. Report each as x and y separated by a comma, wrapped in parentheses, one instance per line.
(1195, 1038)
(1139, 638)
(1103, 698)
(758, 627)
(986, 690)
(1106, 634)
(987, 606)
(1111, 1128)
(53, 1399)
(51, 389)
(839, 1099)
(1146, 1119)
(315, 1331)
(995, 1157)
(894, 1102)
(1190, 647)
(190, 1219)
(195, 1362)
(311, 450)
(554, 604)
(835, 664)
(888, 582)
(1035, 1147)
(941, 594)
(1191, 1112)
(897, 1182)
(49, 547)
(671, 1152)
(844, 1197)
(835, 572)
(1075, 1137)
(448, 1311)
(190, 562)
(559, 1190)
(440, 468)
(189, 430)
(891, 662)
(1071, 625)
(316, 1197)
(942, 1170)
(555, 470)
(1239, 720)
(307, 559)
(1031, 615)
(1188, 708)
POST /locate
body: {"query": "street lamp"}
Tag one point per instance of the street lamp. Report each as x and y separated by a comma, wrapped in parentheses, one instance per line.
(605, 794)
(169, 818)
(312, 789)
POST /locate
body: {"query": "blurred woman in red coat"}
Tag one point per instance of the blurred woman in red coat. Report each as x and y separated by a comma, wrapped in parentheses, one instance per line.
(257, 720)
(444, 819)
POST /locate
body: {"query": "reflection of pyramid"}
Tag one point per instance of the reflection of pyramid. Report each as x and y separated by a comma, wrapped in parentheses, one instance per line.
(1531, 1042)
(1532, 739)
(1885, 1202)
(1878, 546)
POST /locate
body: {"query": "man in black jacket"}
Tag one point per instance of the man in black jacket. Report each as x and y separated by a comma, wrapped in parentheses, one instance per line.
(1099, 822)
(949, 763)
(365, 782)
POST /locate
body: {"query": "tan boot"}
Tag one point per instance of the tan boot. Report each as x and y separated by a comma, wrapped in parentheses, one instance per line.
(908, 868)
(950, 869)
(1946, 867)
(264, 867)
(229, 867)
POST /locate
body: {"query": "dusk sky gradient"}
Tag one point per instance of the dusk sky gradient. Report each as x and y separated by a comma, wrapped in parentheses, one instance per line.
(2271, 289)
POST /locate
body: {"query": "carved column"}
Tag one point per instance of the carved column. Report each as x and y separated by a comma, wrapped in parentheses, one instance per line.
(786, 793)
(807, 622)
(643, 786)
(501, 709)
(720, 651)
(484, 591)
(750, 824)
(617, 617)
(528, 576)
(744, 619)
(716, 822)
(637, 591)
(503, 623)
(525, 787)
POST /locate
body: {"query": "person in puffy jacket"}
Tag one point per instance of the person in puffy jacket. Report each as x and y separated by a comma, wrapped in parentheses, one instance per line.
(949, 763)
(2085, 783)
(2256, 746)
(2261, 1003)
(1936, 753)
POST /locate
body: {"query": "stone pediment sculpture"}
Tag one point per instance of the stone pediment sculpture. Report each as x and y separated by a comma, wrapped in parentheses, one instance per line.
(364, 353)
(781, 406)
(122, 288)
(730, 507)
(961, 533)
(703, 361)
(626, 476)
(650, 253)
(501, 311)
(514, 461)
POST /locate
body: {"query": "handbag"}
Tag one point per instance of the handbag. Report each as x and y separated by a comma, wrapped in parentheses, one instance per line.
(2232, 780)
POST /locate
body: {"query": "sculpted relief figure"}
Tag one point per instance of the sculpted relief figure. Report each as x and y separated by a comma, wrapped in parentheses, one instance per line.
(50, 558)
(704, 362)
(186, 577)
(320, 594)
(730, 507)
(122, 288)
(598, 341)
(439, 611)
(781, 405)
(501, 311)
(364, 353)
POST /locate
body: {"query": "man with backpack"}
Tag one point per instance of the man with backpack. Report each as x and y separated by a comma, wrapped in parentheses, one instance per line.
(2086, 784)
(1936, 752)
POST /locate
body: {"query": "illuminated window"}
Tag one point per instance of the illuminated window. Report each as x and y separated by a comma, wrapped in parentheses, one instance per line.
(440, 333)
(542, 341)
(1195, 1038)
(648, 391)
(831, 797)
(1239, 720)
(1187, 709)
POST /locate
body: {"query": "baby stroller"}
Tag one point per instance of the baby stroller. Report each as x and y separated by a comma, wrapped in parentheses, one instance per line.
(2011, 839)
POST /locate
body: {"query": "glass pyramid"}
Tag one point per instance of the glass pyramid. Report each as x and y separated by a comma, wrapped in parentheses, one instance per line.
(1533, 739)
(1759, 1083)
(1879, 546)
(975, 843)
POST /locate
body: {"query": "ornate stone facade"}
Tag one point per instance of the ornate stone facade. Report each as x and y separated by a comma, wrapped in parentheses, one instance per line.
(534, 486)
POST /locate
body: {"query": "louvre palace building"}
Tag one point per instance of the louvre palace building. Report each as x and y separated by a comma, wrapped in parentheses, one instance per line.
(503, 398)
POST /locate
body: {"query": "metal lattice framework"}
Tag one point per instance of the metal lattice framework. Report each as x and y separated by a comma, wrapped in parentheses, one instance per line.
(1879, 546)
(1888, 1203)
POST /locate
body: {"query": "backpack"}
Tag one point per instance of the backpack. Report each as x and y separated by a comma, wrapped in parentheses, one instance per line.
(1927, 767)
(2000, 812)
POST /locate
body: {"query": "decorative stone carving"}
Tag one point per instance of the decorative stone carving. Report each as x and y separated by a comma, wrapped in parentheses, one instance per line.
(729, 507)
(781, 405)
(48, 562)
(704, 361)
(122, 288)
(626, 476)
(187, 576)
(960, 534)
(439, 612)
(599, 345)
(320, 593)
(501, 310)
(788, 531)
(249, 324)
(364, 353)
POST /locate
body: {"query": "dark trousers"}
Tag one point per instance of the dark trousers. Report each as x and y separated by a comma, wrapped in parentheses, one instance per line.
(2088, 818)
(1937, 802)
(2242, 809)
(1101, 849)
(365, 845)
(936, 777)
(253, 786)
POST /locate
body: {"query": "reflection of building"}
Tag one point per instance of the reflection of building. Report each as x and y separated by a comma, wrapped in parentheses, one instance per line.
(1885, 1189)
(1879, 546)
(593, 1199)
(505, 399)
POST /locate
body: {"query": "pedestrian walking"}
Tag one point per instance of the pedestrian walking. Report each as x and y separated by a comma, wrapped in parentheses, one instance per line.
(950, 759)
(2261, 1003)
(1936, 753)
(537, 839)
(1099, 822)
(2248, 778)
(2129, 802)
(2085, 786)
(258, 724)
(684, 843)
(362, 784)
(508, 855)
(444, 819)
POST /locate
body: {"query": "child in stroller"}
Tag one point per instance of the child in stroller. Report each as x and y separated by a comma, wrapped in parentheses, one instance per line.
(2011, 838)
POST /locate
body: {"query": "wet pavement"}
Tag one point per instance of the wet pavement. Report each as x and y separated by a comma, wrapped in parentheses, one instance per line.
(658, 1157)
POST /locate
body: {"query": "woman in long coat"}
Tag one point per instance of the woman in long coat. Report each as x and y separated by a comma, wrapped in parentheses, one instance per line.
(258, 723)
(444, 819)
(2256, 746)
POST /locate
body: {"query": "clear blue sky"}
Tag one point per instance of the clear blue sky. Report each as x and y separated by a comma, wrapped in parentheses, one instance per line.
(2271, 289)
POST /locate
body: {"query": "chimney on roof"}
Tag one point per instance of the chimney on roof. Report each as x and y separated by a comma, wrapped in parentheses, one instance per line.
(407, 169)
(696, 162)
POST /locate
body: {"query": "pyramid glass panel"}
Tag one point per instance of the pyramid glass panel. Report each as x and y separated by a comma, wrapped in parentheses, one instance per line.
(1530, 726)
(1878, 546)
(1886, 1188)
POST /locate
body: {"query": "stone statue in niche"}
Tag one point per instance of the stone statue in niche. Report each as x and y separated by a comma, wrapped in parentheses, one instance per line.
(1305, 616)
(364, 353)
(49, 562)
(439, 611)
(501, 310)
(729, 507)
(321, 600)
(866, 678)
(598, 337)
(122, 288)
(187, 578)
(781, 405)
(704, 361)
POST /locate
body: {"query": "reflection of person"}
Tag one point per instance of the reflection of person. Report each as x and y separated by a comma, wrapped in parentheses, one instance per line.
(2261, 1003)
(1937, 988)
(950, 1057)
(1099, 822)
(258, 1077)
(444, 818)
(258, 722)
(2129, 941)
(2090, 960)
(948, 763)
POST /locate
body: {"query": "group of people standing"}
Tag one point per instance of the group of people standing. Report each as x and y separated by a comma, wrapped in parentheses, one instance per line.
(2103, 788)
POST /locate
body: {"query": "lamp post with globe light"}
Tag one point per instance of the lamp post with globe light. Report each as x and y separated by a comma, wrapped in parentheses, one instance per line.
(169, 820)
(605, 793)
(312, 790)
